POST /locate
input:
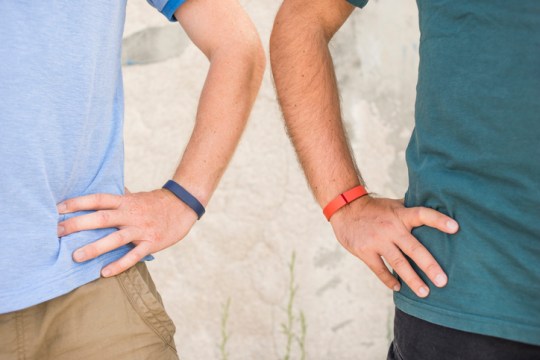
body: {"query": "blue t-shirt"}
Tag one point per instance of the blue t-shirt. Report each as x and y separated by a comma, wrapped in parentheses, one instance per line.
(61, 113)
(475, 155)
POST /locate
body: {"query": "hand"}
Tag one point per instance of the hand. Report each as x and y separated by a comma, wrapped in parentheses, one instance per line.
(372, 229)
(152, 221)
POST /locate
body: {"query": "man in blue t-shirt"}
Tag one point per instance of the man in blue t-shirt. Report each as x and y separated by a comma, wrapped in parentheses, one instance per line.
(472, 160)
(73, 283)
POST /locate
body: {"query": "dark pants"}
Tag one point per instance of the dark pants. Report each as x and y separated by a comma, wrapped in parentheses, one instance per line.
(416, 339)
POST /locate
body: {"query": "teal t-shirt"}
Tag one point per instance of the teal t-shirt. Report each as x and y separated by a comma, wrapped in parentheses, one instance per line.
(475, 155)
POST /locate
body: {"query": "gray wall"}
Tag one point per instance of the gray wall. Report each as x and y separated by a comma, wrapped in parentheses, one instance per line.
(263, 210)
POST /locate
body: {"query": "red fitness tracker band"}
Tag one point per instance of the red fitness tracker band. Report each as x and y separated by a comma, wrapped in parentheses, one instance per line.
(343, 199)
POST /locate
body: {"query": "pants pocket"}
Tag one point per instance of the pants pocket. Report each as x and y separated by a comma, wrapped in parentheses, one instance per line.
(141, 292)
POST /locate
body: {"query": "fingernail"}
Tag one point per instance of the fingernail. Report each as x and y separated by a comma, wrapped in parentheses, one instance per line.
(452, 225)
(60, 230)
(423, 291)
(440, 280)
(79, 255)
(106, 272)
(397, 288)
(61, 207)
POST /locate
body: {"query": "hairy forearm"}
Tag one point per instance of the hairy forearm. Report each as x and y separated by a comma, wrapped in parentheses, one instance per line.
(225, 103)
(307, 91)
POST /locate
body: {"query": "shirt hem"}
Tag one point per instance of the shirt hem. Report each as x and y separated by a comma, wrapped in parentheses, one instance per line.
(75, 279)
(468, 322)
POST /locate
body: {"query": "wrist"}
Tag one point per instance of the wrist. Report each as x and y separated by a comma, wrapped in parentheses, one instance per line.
(330, 188)
(184, 196)
(343, 200)
(201, 188)
(352, 210)
(178, 209)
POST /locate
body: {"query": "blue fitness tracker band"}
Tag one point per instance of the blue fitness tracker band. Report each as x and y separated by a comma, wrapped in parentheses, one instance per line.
(185, 197)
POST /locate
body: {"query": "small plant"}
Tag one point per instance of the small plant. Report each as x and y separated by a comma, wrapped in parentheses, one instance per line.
(294, 328)
(225, 336)
(288, 328)
(302, 338)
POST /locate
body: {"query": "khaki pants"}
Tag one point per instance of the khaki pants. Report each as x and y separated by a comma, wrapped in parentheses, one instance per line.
(116, 318)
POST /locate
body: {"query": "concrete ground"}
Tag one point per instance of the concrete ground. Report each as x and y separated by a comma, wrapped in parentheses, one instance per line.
(263, 212)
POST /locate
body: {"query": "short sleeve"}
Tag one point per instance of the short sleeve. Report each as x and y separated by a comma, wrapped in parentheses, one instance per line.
(358, 3)
(167, 7)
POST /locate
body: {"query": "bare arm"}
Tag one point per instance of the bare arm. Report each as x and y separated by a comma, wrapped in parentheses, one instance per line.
(225, 34)
(369, 228)
(156, 220)
(307, 91)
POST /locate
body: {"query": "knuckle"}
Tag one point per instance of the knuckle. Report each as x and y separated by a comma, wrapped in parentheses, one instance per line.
(415, 247)
(121, 201)
(69, 204)
(71, 225)
(95, 199)
(131, 260)
(399, 262)
(420, 214)
(100, 198)
(103, 218)
(432, 267)
(363, 247)
(119, 237)
(118, 200)
(381, 273)
(347, 242)
(156, 237)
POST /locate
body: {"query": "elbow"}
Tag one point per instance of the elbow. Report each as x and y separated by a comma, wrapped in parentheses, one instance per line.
(279, 38)
(244, 53)
(279, 41)
(256, 58)
(250, 54)
(293, 30)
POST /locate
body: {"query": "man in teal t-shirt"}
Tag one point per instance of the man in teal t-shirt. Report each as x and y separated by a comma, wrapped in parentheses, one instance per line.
(473, 160)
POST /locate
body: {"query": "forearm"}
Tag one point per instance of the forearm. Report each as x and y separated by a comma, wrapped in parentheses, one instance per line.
(225, 103)
(308, 94)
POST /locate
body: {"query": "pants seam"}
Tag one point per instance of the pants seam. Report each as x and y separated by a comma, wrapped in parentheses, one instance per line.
(19, 323)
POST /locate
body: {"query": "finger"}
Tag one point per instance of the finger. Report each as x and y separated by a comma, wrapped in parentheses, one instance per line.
(401, 266)
(106, 244)
(419, 216)
(127, 261)
(96, 220)
(90, 202)
(423, 258)
(377, 265)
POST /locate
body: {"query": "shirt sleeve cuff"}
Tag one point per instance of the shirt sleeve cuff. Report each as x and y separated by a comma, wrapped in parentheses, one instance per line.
(171, 6)
(358, 3)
